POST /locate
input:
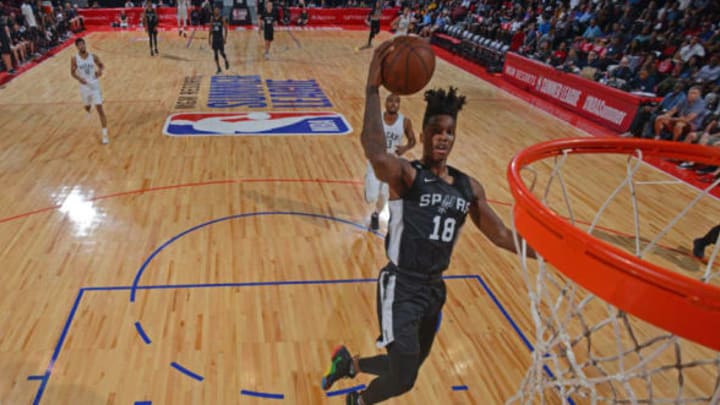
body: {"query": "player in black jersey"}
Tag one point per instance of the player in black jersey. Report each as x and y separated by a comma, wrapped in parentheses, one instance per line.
(150, 19)
(429, 203)
(373, 20)
(268, 19)
(218, 37)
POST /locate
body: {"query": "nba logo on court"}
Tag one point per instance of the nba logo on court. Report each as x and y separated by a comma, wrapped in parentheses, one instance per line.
(257, 124)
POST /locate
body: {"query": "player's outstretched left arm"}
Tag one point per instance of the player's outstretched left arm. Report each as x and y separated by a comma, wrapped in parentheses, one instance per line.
(100, 66)
(489, 223)
(397, 172)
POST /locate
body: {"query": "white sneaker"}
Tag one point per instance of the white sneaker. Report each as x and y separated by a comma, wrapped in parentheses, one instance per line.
(105, 139)
(267, 56)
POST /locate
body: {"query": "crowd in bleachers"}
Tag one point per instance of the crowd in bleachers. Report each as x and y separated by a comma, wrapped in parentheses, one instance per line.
(30, 29)
(667, 48)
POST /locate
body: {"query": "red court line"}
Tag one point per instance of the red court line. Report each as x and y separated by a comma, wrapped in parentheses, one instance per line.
(269, 180)
(80, 103)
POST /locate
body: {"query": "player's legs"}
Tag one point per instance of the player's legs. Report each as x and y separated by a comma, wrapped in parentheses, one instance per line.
(217, 59)
(155, 39)
(103, 122)
(222, 53)
(150, 41)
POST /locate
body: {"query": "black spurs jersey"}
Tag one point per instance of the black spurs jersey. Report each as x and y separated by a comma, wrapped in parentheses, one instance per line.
(425, 223)
(216, 29)
(269, 19)
(152, 18)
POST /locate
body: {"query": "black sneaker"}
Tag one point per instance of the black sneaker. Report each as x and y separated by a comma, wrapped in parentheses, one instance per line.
(151, 53)
(352, 398)
(218, 71)
(374, 222)
(706, 170)
(227, 65)
(698, 248)
(157, 52)
(341, 366)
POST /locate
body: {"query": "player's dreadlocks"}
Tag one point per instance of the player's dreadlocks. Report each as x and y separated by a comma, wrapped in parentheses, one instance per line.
(441, 102)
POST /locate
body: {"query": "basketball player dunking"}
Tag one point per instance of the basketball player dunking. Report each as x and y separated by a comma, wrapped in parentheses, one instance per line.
(429, 202)
(395, 125)
(268, 19)
(374, 22)
(218, 37)
(86, 68)
(150, 19)
(182, 16)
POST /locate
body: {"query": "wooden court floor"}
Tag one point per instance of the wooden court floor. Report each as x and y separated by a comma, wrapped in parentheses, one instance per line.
(185, 270)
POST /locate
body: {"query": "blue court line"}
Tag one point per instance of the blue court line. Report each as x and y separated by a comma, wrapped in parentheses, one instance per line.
(262, 394)
(150, 258)
(81, 292)
(345, 391)
(505, 313)
(460, 388)
(58, 347)
(134, 287)
(517, 329)
(143, 402)
(35, 377)
(142, 333)
(186, 371)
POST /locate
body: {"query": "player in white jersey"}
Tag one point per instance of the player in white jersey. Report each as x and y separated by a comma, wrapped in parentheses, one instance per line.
(395, 125)
(402, 23)
(182, 16)
(87, 68)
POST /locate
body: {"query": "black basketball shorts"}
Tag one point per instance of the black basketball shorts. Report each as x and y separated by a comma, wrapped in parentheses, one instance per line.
(405, 302)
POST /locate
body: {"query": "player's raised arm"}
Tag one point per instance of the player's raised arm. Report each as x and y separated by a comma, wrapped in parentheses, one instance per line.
(488, 221)
(398, 173)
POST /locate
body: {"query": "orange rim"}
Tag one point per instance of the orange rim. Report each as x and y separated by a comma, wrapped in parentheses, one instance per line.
(681, 305)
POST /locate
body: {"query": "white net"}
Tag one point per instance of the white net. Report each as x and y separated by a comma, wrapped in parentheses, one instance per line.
(588, 351)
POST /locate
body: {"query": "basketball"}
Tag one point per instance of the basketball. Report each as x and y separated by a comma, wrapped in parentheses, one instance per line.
(409, 67)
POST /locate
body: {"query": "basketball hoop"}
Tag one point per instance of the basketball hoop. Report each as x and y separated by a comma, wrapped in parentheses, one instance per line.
(611, 326)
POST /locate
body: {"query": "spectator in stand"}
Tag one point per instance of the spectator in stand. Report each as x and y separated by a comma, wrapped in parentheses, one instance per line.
(709, 72)
(558, 57)
(593, 31)
(17, 45)
(646, 114)
(642, 82)
(22, 38)
(691, 48)
(572, 62)
(5, 45)
(622, 71)
(681, 119)
(129, 4)
(690, 68)
(29, 15)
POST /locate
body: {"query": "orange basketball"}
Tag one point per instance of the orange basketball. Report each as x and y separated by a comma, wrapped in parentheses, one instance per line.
(409, 67)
